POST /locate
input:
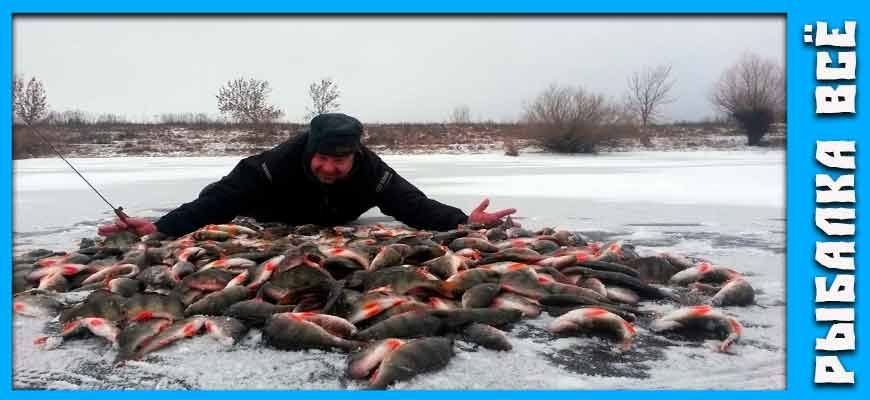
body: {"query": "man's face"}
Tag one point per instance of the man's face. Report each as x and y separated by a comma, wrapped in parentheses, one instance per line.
(329, 169)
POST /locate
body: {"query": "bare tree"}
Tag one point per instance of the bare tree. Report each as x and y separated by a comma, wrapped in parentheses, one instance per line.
(460, 115)
(29, 103)
(17, 91)
(752, 92)
(570, 120)
(649, 90)
(246, 100)
(324, 97)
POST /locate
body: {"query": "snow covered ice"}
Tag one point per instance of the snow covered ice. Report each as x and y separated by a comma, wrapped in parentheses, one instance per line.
(725, 206)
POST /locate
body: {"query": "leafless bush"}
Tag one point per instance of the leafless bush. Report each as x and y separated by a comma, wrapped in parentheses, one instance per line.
(324, 97)
(246, 100)
(17, 91)
(71, 118)
(752, 92)
(29, 102)
(572, 120)
(111, 119)
(188, 119)
(649, 90)
(510, 148)
(460, 115)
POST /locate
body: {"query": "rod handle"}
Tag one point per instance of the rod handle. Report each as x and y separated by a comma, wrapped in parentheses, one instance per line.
(121, 214)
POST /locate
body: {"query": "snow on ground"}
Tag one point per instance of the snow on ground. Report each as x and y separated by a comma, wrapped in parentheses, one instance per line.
(726, 206)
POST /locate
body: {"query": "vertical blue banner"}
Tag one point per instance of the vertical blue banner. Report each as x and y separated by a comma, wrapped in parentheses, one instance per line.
(806, 129)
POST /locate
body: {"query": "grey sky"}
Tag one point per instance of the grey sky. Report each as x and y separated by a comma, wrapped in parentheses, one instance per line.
(388, 69)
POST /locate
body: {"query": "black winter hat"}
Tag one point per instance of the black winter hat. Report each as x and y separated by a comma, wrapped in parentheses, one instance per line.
(334, 134)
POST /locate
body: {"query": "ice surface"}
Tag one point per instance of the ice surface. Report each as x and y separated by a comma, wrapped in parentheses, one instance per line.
(728, 207)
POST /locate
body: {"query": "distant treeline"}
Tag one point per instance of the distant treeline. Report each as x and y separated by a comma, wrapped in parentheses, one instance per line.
(87, 139)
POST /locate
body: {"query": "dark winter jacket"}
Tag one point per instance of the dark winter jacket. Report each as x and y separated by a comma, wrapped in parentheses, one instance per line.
(277, 186)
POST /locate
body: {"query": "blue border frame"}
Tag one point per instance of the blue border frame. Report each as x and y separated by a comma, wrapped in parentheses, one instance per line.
(803, 125)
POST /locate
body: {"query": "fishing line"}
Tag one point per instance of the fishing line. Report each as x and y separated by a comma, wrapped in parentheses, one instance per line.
(119, 211)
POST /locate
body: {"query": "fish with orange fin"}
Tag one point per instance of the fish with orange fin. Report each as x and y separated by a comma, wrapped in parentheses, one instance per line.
(36, 305)
(736, 292)
(232, 229)
(216, 303)
(511, 301)
(482, 245)
(704, 273)
(594, 320)
(446, 265)
(226, 330)
(487, 336)
(457, 284)
(410, 359)
(701, 318)
(390, 256)
(182, 329)
(255, 312)
(522, 255)
(146, 306)
(98, 326)
(229, 264)
(480, 295)
(418, 323)
(335, 325)
(290, 331)
(134, 336)
(364, 362)
(371, 306)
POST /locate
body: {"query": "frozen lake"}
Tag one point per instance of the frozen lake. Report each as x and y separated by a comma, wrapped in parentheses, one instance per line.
(728, 207)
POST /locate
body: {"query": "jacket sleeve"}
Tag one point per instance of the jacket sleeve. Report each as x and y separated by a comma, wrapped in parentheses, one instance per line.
(399, 199)
(221, 201)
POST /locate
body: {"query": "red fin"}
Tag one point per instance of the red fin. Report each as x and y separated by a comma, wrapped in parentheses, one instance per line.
(67, 270)
(701, 310)
(69, 326)
(393, 344)
(143, 316)
(18, 307)
(372, 309)
(47, 262)
(595, 312)
(629, 327)
(515, 266)
(735, 325)
(190, 330)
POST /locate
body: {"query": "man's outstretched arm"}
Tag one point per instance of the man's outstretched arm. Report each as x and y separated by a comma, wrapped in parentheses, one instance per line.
(400, 199)
(220, 202)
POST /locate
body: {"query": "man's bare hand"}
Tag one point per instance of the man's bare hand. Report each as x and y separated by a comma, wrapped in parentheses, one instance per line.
(480, 216)
(139, 226)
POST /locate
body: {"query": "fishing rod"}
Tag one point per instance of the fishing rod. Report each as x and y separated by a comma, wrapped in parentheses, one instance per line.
(119, 211)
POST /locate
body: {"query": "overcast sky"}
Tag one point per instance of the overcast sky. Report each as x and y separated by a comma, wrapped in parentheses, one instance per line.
(388, 69)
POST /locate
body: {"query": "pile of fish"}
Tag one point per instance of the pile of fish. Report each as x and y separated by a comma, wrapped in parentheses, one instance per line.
(396, 299)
